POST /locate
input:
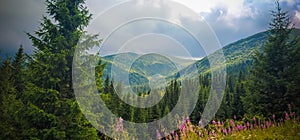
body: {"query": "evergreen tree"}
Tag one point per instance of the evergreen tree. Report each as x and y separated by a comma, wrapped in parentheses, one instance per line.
(56, 41)
(237, 105)
(106, 85)
(53, 109)
(99, 69)
(18, 70)
(11, 123)
(6, 81)
(272, 84)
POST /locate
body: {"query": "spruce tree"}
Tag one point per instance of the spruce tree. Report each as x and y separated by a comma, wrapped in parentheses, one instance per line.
(56, 42)
(11, 124)
(53, 108)
(18, 69)
(272, 84)
(106, 85)
(237, 105)
(99, 72)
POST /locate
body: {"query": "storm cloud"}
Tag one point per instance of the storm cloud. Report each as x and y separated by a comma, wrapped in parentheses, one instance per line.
(230, 19)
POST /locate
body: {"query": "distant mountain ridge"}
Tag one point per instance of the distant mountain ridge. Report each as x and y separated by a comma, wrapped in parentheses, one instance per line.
(141, 68)
(238, 56)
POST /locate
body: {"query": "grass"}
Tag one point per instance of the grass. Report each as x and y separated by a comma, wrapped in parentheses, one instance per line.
(287, 128)
(232, 129)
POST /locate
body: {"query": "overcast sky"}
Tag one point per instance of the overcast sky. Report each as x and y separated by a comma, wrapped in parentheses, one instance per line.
(231, 20)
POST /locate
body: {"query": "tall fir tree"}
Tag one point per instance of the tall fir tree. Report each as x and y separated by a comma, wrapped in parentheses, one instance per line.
(272, 84)
(54, 110)
(7, 109)
(56, 42)
(18, 70)
(99, 72)
(106, 85)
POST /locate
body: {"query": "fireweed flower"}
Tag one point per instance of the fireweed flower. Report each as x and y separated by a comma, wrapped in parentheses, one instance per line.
(229, 130)
(176, 137)
(118, 128)
(182, 127)
(172, 133)
(119, 125)
(245, 127)
(240, 127)
(287, 116)
(214, 122)
(232, 123)
(200, 134)
(219, 123)
(120, 120)
(188, 119)
(158, 135)
(248, 124)
(224, 131)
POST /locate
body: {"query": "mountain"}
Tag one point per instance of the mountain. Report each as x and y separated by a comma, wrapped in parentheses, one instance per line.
(238, 55)
(141, 69)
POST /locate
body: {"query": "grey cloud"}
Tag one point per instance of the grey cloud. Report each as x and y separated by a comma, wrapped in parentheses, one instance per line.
(17, 17)
(244, 26)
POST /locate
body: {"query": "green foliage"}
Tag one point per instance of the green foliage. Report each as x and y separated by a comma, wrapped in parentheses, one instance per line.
(37, 99)
(272, 85)
(18, 71)
(99, 74)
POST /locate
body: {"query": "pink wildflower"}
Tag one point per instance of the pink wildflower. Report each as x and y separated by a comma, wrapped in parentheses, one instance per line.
(158, 135)
(287, 116)
(182, 127)
(200, 134)
(248, 124)
(229, 130)
(188, 119)
(172, 133)
(219, 123)
(176, 137)
(224, 131)
(119, 126)
(214, 122)
(232, 123)
(239, 127)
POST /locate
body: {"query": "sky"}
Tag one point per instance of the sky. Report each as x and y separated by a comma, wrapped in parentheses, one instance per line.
(230, 20)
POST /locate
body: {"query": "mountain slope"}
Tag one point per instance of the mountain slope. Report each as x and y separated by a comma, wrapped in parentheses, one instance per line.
(238, 55)
(142, 68)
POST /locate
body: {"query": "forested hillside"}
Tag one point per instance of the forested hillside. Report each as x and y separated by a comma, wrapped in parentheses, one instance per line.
(239, 55)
